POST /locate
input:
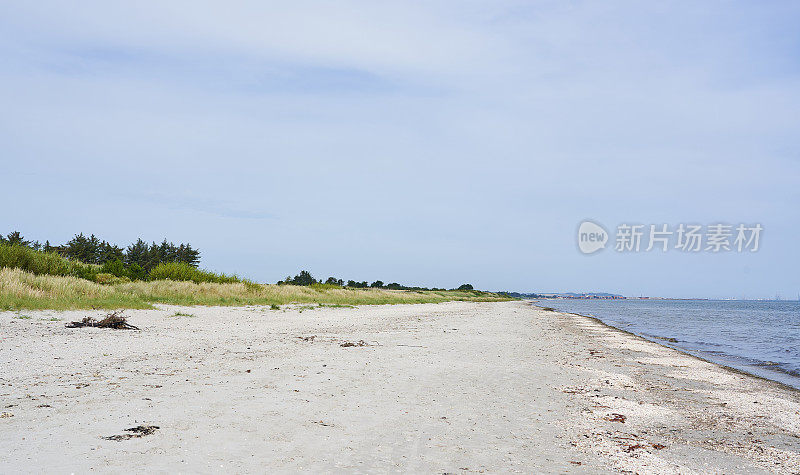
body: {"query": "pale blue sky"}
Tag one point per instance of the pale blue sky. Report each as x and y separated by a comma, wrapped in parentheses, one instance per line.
(430, 142)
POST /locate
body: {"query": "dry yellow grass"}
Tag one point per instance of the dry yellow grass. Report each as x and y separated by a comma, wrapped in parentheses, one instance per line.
(23, 290)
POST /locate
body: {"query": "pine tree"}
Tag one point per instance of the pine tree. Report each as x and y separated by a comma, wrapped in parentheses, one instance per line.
(136, 254)
(15, 237)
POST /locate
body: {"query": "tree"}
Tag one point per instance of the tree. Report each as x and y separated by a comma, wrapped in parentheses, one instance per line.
(185, 253)
(357, 285)
(81, 248)
(136, 254)
(334, 281)
(304, 278)
(465, 287)
(377, 284)
(15, 237)
(108, 252)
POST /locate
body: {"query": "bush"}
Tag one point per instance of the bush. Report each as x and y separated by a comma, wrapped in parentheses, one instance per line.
(115, 267)
(137, 272)
(465, 287)
(321, 286)
(110, 279)
(39, 263)
(183, 271)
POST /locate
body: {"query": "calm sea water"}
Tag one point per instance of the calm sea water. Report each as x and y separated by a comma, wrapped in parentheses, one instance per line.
(759, 337)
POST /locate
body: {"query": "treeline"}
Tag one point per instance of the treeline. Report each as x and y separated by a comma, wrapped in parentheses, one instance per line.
(91, 250)
(518, 295)
(305, 278)
(100, 261)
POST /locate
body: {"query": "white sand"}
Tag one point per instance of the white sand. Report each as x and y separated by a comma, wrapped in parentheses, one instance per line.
(456, 387)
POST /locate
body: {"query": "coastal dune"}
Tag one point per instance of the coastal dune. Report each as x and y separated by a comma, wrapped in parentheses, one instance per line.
(454, 387)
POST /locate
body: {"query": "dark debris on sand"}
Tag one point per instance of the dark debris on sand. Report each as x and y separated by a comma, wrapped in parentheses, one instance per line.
(348, 344)
(113, 320)
(135, 433)
(614, 417)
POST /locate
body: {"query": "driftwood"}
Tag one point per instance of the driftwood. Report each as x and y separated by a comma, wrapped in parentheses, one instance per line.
(112, 320)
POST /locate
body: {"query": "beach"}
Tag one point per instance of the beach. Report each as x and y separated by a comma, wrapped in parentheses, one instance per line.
(455, 387)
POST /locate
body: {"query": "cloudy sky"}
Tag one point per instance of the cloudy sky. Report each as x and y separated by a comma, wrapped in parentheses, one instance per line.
(432, 143)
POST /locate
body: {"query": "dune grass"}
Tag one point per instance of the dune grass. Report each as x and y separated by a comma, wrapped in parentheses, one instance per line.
(183, 271)
(25, 290)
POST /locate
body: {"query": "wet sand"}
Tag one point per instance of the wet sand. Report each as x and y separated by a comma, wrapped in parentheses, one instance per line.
(448, 388)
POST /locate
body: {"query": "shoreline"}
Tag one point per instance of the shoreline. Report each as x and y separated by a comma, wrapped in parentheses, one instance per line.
(762, 369)
(685, 352)
(454, 387)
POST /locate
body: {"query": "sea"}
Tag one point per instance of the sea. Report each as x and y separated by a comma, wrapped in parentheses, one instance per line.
(758, 337)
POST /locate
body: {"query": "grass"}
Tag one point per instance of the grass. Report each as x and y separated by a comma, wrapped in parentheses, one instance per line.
(181, 314)
(183, 271)
(26, 290)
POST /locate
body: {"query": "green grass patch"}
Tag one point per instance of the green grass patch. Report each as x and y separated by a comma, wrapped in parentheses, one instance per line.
(182, 314)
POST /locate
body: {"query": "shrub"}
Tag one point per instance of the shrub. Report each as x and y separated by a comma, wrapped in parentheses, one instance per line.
(137, 272)
(465, 287)
(183, 271)
(110, 279)
(115, 267)
(48, 263)
(321, 286)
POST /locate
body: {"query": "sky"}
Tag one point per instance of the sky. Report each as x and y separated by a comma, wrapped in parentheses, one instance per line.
(430, 143)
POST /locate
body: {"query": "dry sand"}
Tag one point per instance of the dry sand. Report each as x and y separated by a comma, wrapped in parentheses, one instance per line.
(445, 388)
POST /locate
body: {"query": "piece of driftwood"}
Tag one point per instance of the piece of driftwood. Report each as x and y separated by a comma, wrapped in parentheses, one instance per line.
(113, 320)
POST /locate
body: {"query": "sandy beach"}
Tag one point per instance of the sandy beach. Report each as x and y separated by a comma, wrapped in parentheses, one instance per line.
(455, 387)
